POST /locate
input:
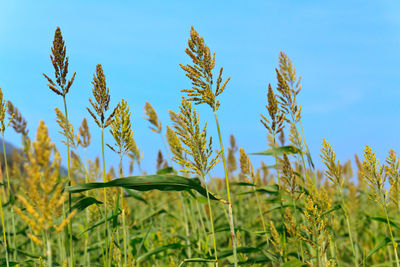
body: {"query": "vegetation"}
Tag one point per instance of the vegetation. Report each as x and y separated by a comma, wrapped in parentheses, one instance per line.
(285, 214)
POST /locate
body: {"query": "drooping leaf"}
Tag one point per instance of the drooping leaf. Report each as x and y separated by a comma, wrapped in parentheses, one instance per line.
(278, 151)
(383, 220)
(135, 195)
(174, 246)
(100, 222)
(168, 170)
(164, 182)
(384, 242)
(195, 260)
(84, 203)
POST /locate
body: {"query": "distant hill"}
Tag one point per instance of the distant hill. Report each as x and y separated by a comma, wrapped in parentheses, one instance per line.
(9, 149)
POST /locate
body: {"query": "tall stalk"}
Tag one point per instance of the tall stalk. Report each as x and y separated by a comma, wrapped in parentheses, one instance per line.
(231, 221)
(10, 194)
(105, 196)
(71, 250)
(4, 232)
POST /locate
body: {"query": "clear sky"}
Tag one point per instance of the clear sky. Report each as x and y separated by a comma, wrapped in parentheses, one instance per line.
(347, 52)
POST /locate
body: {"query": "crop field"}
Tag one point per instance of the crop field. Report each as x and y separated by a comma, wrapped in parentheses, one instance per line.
(61, 209)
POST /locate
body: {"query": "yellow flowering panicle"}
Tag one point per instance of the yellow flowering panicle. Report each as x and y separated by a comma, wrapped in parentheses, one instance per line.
(161, 163)
(201, 73)
(231, 159)
(194, 142)
(67, 128)
(60, 64)
(121, 129)
(152, 117)
(102, 97)
(134, 156)
(18, 122)
(288, 86)
(393, 173)
(288, 176)
(3, 110)
(43, 199)
(374, 176)
(275, 238)
(277, 116)
(316, 230)
(245, 165)
(174, 143)
(334, 169)
(83, 138)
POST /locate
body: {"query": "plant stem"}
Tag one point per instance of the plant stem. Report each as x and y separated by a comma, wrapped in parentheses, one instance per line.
(231, 222)
(9, 193)
(348, 227)
(211, 221)
(391, 235)
(4, 232)
(105, 195)
(71, 251)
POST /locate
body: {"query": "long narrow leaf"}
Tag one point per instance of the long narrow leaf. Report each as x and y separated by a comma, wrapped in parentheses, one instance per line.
(162, 182)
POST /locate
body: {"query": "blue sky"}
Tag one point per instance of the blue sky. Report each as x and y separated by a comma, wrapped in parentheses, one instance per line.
(346, 51)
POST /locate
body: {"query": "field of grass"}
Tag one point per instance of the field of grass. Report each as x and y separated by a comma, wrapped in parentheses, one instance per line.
(286, 214)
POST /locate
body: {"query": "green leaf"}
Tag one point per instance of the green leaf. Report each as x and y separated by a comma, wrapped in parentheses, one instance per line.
(164, 182)
(84, 203)
(168, 170)
(336, 207)
(381, 244)
(271, 189)
(195, 260)
(135, 195)
(100, 222)
(383, 219)
(278, 151)
(173, 246)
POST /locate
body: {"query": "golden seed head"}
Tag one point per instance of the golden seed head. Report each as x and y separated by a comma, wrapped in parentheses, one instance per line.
(244, 162)
(84, 134)
(67, 128)
(174, 143)
(121, 129)
(201, 73)
(288, 86)
(3, 110)
(194, 142)
(60, 64)
(373, 174)
(277, 116)
(161, 163)
(334, 169)
(102, 97)
(288, 176)
(231, 159)
(42, 145)
(18, 122)
(152, 117)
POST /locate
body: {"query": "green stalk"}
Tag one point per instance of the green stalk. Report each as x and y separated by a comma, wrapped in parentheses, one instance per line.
(86, 254)
(231, 222)
(211, 221)
(48, 250)
(4, 232)
(349, 227)
(391, 233)
(9, 193)
(186, 225)
(123, 213)
(71, 251)
(105, 195)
